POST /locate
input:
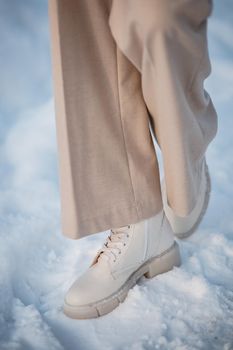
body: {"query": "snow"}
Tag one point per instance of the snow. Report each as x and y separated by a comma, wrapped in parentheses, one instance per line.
(190, 307)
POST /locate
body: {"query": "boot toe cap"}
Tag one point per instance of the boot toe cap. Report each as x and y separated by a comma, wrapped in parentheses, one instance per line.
(90, 288)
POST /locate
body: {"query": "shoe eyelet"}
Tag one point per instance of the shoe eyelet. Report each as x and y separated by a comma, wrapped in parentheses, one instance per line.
(124, 244)
(119, 253)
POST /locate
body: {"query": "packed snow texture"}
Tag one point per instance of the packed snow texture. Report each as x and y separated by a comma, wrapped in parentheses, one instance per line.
(190, 307)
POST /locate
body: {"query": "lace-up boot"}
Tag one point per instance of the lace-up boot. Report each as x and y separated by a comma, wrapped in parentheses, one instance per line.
(129, 252)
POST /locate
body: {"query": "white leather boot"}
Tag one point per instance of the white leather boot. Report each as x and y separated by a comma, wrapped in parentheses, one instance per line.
(144, 248)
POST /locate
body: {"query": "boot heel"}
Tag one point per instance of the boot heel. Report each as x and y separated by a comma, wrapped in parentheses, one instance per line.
(164, 262)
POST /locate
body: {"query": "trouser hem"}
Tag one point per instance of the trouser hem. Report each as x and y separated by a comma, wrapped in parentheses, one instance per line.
(118, 216)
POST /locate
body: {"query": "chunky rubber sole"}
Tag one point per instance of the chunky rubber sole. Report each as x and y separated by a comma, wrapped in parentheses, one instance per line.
(152, 267)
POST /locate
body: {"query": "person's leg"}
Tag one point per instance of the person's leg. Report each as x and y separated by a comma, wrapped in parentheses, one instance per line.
(107, 163)
(108, 167)
(153, 36)
(167, 42)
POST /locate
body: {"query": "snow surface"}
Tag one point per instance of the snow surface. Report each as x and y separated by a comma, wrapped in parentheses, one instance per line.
(190, 307)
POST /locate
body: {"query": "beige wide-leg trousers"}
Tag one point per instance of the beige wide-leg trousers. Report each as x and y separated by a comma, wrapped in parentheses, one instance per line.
(118, 66)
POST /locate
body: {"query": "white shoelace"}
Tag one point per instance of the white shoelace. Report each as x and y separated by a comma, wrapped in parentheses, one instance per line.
(113, 244)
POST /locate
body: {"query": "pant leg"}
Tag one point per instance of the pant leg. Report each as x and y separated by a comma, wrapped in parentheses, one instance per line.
(167, 42)
(108, 170)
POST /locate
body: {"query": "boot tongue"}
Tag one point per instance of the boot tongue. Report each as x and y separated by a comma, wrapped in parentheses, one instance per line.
(102, 257)
(99, 258)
